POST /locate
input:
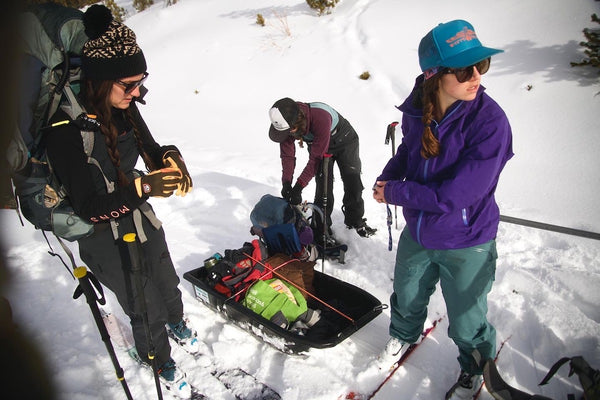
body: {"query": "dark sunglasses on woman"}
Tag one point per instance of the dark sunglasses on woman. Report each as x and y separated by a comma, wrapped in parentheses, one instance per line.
(129, 87)
(466, 73)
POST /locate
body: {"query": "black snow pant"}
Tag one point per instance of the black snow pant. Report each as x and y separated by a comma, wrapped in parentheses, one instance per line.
(344, 150)
(163, 302)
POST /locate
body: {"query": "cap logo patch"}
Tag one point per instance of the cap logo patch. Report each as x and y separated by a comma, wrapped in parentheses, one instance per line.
(277, 119)
(465, 35)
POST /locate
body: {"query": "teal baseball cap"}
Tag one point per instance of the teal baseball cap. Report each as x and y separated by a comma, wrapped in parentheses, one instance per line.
(452, 44)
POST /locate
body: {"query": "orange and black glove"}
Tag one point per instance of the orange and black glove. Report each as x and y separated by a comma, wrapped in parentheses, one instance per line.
(159, 183)
(173, 159)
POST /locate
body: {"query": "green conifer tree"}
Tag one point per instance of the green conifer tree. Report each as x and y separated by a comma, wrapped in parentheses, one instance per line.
(591, 46)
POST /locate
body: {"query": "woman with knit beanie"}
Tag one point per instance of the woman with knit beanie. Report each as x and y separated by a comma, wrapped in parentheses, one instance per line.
(456, 141)
(114, 69)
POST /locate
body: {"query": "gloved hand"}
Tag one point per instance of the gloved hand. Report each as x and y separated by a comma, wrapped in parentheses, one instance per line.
(159, 183)
(287, 189)
(173, 159)
(295, 196)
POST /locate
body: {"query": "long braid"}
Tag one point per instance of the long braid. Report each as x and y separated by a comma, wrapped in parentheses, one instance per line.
(150, 165)
(97, 99)
(430, 144)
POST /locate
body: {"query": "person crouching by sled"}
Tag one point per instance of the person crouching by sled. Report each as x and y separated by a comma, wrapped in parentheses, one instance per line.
(326, 133)
(456, 141)
(114, 70)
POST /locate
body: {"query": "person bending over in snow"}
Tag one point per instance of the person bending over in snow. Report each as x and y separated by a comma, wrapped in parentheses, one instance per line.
(456, 141)
(326, 133)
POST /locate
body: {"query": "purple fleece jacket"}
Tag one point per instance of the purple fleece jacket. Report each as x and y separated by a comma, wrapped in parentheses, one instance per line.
(448, 201)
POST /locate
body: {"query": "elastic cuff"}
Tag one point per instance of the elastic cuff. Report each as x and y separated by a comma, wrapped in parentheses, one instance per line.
(131, 196)
(167, 149)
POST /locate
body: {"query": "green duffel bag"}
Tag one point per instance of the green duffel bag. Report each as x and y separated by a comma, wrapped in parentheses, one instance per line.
(273, 297)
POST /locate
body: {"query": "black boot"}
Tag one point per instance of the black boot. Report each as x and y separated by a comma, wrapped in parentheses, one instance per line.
(363, 229)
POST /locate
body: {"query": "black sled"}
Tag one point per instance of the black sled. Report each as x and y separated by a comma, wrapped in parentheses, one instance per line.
(358, 308)
(285, 252)
(344, 308)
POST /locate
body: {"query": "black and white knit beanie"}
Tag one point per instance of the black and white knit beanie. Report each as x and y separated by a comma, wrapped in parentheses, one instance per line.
(111, 51)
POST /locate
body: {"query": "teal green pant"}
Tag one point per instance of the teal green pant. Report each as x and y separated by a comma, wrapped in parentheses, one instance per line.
(465, 276)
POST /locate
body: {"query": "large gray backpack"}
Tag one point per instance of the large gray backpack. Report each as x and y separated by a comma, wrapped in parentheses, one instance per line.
(53, 37)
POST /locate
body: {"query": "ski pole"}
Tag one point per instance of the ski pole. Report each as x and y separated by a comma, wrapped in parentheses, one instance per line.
(391, 134)
(549, 227)
(132, 258)
(326, 160)
(85, 287)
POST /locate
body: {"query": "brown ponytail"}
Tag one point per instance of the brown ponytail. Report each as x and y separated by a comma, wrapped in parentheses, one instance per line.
(430, 146)
(300, 126)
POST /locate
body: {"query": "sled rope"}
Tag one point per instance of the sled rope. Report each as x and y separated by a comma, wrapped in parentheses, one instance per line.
(298, 287)
(233, 296)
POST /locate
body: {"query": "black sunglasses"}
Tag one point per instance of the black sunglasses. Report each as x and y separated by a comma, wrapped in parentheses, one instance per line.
(466, 73)
(129, 87)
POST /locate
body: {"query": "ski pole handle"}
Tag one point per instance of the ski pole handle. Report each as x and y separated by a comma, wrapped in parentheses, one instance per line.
(326, 160)
(132, 257)
(390, 133)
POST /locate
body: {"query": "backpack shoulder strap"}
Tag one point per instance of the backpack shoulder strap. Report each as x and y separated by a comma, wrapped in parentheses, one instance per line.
(554, 369)
(335, 117)
(588, 377)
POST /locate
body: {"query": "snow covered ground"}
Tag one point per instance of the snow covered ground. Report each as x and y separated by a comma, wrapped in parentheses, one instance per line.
(214, 73)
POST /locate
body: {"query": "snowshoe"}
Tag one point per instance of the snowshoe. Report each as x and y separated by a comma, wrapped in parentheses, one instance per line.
(331, 249)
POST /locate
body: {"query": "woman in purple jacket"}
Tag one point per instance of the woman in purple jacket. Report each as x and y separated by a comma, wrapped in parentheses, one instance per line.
(456, 141)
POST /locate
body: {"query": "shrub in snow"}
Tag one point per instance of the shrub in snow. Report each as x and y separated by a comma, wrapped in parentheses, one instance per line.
(117, 12)
(141, 5)
(323, 6)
